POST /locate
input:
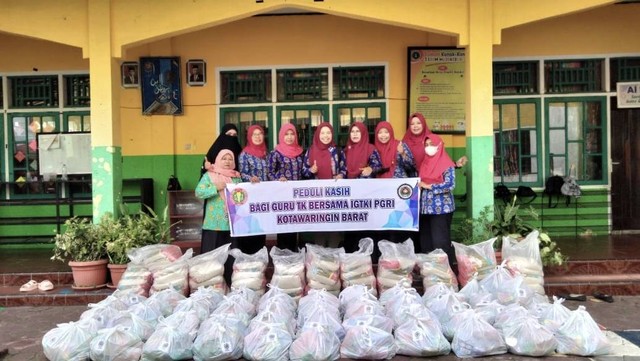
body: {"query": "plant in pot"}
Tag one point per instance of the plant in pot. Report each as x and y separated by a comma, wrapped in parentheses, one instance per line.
(131, 231)
(507, 220)
(83, 247)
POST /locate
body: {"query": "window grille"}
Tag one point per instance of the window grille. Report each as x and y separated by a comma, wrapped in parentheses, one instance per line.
(573, 76)
(246, 86)
(515, 78)
(77, 91)
(624, 70)
(303, 84)
(358, 83)
(34, 91)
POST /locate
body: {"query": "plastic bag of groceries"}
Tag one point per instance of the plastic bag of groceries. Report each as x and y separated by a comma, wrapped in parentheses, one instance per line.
(267, 342)
(173, 275)
(218, 340)
(556, 315)
(323, 268)
(396, 263)
(68, 342)
(478, 258)
(367, 342)
(434, 268)
(526, 336)
(207, 269)
(136, 278)
(315, 342)
(248, 270)
(155, 256)
(523, 257)
(115, 344)
(476, 338)
(135, 325)
(288, 271)
(165, 301)
(357, 268)
(421, 337)
(168, 343)
(580, 335)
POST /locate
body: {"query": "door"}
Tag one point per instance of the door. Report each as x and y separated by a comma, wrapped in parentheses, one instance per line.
(625, 174)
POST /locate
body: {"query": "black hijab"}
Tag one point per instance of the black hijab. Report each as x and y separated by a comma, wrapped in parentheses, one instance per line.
(225, 141)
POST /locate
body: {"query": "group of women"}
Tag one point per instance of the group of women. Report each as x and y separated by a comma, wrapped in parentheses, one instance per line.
(420, 153)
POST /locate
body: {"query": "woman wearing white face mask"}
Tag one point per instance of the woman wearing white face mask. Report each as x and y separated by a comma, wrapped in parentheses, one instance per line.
(437, 180)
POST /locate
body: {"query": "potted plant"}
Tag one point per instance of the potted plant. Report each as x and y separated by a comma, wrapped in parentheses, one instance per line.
(507, 220)
(82, 245)
(129, 232)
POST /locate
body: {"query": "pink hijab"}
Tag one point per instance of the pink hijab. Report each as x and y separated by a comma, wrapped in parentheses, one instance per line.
(416, 142)
(358, 153)
(432, 168)
(289, 151)
(387, 150)
(256, 150)
(217, 173)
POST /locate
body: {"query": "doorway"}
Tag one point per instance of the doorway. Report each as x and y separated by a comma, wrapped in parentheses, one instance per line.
(625, 173)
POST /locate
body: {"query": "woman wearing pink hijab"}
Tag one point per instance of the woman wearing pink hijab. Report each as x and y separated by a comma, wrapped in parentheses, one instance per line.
(363, 159)
(285, 163)
(396, 156)
(254, 169)
(215, 226)
(437, 180)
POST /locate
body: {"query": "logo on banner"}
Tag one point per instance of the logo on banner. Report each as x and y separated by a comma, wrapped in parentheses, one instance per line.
(239, 196)
(405, 191)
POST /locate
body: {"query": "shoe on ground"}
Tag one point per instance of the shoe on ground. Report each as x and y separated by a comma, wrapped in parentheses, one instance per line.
(29, 286)
(45, 285)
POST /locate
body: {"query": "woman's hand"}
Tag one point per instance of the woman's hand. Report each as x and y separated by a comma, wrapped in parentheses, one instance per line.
(207, 165)
(220, 185)
(254, 179)
(366, 171)
(400, 148)
(339, 176)
(283, 179)
(425, 185)
(314, 168)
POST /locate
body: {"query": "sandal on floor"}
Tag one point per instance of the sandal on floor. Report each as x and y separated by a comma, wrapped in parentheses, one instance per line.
(45, 285)
(603, 296)
(572, 297)
(29, 286)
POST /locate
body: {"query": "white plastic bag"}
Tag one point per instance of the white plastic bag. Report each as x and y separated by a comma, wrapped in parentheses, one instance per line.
(479, 258)
(115, 344)
(68, 342)
(366, 342)
(580, 335)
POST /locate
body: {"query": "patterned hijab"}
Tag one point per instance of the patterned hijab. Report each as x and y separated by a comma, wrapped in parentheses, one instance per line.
(289, 151)
(415, 142)
(319, 153)
(256, 150)
(387, 150)
(358, 153)
(433, 167)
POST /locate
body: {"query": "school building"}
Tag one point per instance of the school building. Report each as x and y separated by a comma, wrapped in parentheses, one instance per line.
(540, 88)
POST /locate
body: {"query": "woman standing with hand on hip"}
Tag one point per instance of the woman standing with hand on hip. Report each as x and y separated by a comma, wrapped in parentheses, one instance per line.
(285, 163)
(437, 180)
(254, 169)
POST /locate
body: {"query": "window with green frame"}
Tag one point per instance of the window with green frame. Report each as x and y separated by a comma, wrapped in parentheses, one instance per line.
(344, 114)
(302, 84)
(77, 122)
(624, 69)
(577, 138)
(516, 140)
(243, 118)
(305, 117)
(23, 150)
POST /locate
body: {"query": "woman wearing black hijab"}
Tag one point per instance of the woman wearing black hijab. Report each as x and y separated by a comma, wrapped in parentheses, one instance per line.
(228, 139)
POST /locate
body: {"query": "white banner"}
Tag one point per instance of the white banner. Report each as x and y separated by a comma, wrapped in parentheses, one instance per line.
(323, 205)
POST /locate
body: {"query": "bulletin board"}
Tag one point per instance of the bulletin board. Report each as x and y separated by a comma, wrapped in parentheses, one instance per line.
(72, 150)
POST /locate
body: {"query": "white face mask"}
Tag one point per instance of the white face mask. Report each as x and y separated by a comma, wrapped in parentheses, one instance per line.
(431, 150)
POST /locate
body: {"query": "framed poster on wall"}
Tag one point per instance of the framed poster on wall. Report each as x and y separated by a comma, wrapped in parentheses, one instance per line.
(436, 87)
(160, 82)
